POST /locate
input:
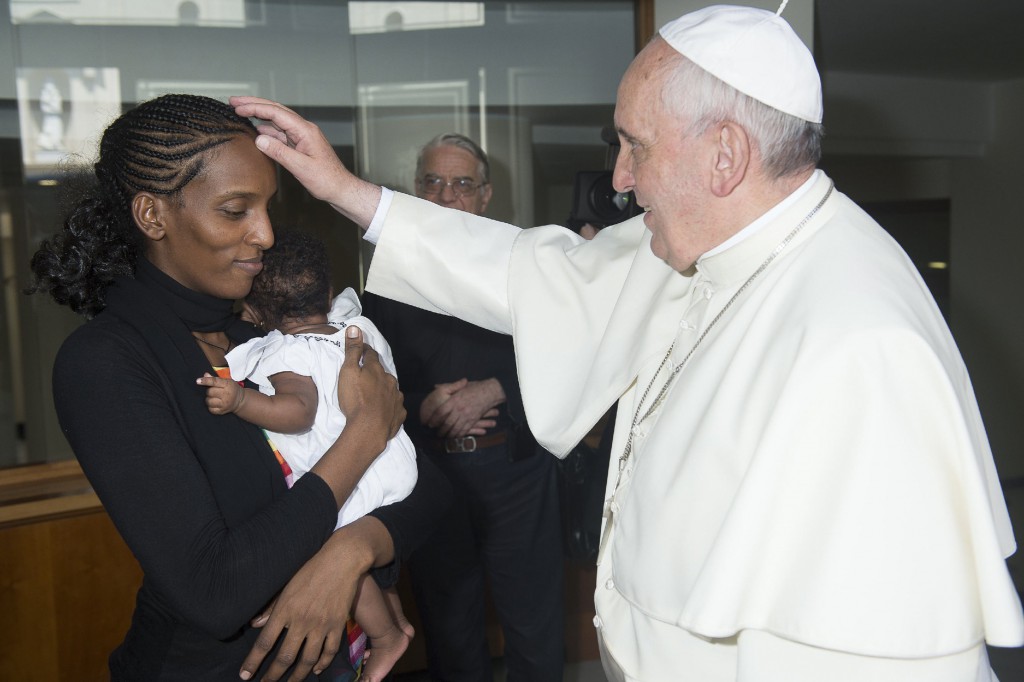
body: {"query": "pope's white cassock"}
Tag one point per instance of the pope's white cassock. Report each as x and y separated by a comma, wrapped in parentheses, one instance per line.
(812, 496)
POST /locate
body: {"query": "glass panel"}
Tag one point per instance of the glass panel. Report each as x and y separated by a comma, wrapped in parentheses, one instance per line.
(533, 82)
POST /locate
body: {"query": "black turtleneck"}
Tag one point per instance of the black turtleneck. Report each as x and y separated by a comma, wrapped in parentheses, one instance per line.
(199, 498)
(198, 312)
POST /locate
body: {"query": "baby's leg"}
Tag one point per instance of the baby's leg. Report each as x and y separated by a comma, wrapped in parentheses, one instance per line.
(397, 614)
(387, 640)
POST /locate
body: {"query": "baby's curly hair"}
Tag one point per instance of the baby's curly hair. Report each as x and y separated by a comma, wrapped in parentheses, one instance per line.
(295, 281)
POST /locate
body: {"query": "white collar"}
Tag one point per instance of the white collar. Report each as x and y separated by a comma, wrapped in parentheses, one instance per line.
(766, 218)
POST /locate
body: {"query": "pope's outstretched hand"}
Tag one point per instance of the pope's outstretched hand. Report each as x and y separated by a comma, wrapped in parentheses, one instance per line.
(302, 149)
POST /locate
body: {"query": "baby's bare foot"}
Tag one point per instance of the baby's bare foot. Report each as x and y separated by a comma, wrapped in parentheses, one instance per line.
(384, 652)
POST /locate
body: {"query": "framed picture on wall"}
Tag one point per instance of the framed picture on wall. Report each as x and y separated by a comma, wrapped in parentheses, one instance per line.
(61, 114)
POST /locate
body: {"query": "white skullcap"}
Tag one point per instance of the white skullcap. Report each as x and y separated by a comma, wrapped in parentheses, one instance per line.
(753, 50)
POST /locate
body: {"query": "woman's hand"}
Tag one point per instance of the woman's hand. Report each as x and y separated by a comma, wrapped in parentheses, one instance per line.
(315, 604)
(300, 146)
(366, 392)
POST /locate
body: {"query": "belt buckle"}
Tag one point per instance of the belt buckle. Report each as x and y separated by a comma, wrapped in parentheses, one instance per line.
(461, 444)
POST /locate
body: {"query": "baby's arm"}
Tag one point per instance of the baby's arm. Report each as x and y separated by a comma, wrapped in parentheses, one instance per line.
(291, 410)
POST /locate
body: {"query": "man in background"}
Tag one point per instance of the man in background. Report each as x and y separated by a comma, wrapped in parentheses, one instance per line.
(465, 412)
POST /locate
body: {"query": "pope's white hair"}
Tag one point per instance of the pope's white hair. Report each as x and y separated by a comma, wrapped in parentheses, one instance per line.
(785, 143)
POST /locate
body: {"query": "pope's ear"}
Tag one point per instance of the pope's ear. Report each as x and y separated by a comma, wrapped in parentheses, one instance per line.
(147, 212)
(732, 158)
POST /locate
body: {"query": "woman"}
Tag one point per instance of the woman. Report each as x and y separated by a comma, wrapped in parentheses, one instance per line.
(154, 255)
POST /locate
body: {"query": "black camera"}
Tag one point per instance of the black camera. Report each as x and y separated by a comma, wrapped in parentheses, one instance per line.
(594, 200)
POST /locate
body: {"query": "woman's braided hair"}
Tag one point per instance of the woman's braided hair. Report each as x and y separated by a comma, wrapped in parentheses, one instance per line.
(159, 147)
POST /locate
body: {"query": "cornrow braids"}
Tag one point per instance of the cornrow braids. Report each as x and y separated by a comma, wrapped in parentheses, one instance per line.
(295, 280)
(159, 147)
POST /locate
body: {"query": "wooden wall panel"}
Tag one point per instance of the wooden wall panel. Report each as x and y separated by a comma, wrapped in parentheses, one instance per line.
(67, 587)
(94, 582)
(28, 634)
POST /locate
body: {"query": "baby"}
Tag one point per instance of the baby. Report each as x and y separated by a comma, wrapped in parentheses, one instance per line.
(296, 368)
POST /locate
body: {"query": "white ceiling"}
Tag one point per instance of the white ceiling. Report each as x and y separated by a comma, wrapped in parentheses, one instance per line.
(978, 40)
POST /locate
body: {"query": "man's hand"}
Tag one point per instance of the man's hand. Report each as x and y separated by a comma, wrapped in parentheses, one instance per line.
(223, 396)
(463, 407)
(437, 397)
(300, 146)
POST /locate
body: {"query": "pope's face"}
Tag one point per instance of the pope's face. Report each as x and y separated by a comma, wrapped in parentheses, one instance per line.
(660, 163)
(215, 232)
(449, 163)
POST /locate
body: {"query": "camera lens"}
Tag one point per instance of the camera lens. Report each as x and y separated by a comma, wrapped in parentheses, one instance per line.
(611, 206)
(622, 200)
(595, 201)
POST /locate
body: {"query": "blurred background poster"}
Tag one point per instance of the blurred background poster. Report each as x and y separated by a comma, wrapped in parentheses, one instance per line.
(61, 113)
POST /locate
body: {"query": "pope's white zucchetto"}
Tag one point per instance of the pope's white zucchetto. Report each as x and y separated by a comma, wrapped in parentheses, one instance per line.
(753, 50)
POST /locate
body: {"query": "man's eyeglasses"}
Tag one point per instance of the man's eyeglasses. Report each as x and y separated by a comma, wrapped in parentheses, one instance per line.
(431, 184)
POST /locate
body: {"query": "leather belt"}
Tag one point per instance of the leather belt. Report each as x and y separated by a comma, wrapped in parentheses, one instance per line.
(470, 443)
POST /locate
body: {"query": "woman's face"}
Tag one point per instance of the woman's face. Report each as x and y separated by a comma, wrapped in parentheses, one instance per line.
(215, 232)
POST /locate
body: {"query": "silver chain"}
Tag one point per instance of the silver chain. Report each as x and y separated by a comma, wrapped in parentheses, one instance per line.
(637, 417)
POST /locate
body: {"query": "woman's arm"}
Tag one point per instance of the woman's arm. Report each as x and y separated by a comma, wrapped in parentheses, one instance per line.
(315, 604)
(126, 433)
(116, 412)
